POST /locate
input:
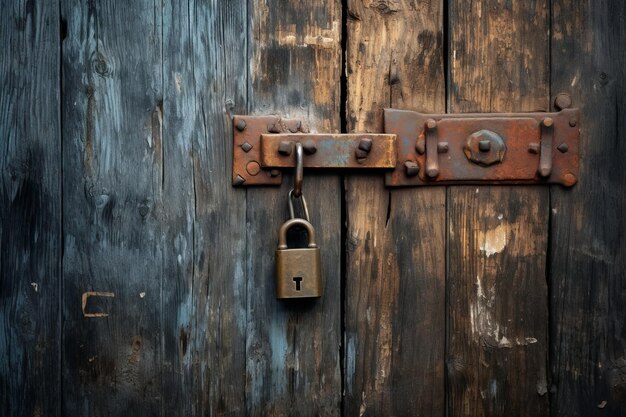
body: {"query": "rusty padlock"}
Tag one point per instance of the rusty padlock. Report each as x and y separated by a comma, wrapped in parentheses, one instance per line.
(298, 270)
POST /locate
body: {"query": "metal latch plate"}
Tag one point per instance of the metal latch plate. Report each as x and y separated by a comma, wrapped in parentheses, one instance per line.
(521, 135)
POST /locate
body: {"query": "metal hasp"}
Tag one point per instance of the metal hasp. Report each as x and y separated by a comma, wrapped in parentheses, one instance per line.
(419, 149)
(262, 144)
(492, 148)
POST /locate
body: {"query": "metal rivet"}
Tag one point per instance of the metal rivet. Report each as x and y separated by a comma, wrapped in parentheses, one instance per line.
(285, 148)
(239, 180)
(253, 168)
(411, 168)
(442, 147)
(274, 172)
(569, 179)
(484, 146)
(572, 122)
(365, 144)
(309, 147)
(360, 154)
(547, 122)
(562, 101)
(431, 124)
(246, 147)
(533, 147)
(563, 147)
(241, 125)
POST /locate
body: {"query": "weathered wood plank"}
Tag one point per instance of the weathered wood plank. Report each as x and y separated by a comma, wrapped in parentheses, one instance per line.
(30, 209)
(588, 283)
(394, 314)
(114, 170)
(497, 237)
(293, 361)
(203, 281)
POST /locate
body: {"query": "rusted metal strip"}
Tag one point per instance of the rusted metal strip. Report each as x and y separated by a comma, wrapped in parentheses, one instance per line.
(330, 150)
(419, 149)
(518, 148)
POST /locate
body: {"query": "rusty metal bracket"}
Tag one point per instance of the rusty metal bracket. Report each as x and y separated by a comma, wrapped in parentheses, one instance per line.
(419, 149)
(493, 148)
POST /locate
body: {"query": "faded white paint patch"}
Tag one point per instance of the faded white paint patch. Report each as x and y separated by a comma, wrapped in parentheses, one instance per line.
(493, 241)
(142, 294)
(35, 286)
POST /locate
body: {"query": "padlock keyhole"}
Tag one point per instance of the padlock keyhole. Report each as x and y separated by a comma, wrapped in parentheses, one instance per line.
(297, 280)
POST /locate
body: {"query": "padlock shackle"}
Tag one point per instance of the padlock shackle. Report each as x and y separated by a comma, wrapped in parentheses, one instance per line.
(282, 233)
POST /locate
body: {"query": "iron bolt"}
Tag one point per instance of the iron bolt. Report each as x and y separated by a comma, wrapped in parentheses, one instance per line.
(570, 179)
(285, 148)
(365, 144)
(241, 125)
(572, 122)
(431, 124)
(562, 101)
(309, 147)
(411, 168)
(563, 147)
(274, 173)
(484, 146)
(442, 147)
(246, 147)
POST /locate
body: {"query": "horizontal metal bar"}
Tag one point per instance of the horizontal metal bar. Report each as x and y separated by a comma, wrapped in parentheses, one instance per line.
(330, 150)
(419, 149)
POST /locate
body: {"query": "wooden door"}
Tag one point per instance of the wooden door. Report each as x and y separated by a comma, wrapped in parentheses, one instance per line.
(135, 280)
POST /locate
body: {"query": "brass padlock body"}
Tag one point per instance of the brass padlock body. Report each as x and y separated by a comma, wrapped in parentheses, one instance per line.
(298, 270)
(298, 273)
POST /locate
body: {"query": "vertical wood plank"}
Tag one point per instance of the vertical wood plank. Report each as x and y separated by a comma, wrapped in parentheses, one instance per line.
(293, 361)
(588, 285)
(30, 209)
(204, 284)
(114, 169)
(394, 314)
(497, 237)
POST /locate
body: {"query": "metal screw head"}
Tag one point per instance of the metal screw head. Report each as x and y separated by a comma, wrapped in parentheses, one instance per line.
(443, 147)
(562, 101)
(241, 125)
(572, 122)
(246, 147)
(365, 144)
(563, 147)
(285, 148)
(274, 172)
(431, 124)
(411, 168)
(309, 147)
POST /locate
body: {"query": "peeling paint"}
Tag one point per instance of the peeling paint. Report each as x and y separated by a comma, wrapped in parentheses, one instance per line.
(493, 241)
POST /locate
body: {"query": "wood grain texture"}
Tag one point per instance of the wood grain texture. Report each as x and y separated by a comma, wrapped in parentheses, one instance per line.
(497, 237)
(113, 177)
(395, 272)
(30, 209)
(588, 282)
(203, 216)
(292, 349)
